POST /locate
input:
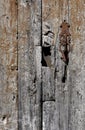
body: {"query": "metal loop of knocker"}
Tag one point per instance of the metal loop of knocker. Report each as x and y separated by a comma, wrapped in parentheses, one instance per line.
(64, 46)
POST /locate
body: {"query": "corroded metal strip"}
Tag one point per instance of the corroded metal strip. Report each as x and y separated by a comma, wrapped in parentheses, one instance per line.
(65, 39)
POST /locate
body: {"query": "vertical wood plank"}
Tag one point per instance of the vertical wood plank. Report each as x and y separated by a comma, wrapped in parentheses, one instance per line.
(29, 77)
(48, 115)
(48, 84)
(62, 91)
(50, 23)
(8, 65)
(37, 119)
(23, 69)
(54, 12)
(76, 66)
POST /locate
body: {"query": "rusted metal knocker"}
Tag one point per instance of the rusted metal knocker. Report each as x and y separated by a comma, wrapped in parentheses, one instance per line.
(65, 40)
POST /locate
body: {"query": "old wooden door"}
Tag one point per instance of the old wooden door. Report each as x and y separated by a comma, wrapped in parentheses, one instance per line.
(33, 95)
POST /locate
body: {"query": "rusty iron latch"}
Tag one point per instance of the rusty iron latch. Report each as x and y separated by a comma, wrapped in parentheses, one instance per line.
(65, 40)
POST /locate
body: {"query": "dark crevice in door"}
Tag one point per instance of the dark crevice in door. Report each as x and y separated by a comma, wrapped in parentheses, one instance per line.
(65, 74)
(46, 51)
(41, 100)
(19, 104)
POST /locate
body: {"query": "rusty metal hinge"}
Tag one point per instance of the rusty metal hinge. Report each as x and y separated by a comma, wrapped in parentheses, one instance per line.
(65, 40)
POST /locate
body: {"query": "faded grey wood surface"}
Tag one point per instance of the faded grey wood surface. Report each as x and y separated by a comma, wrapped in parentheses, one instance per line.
(29, 63)
(33, 95)
(48, 87)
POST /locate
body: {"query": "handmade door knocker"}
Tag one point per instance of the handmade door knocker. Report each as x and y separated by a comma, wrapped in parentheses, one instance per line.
(65, 40)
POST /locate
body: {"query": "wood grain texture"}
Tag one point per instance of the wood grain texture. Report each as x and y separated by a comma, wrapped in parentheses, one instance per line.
(8, 65)
(76, 66)
(23, 77)
(48, 115)
(34, 96)
(62, 91)
(48, 84)
(29, 62)
(54, 12)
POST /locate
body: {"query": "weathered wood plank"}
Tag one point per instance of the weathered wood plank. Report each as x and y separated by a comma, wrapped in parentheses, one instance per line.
(36, 101)
(62, 91)
(54, 12)
(8, 65)
(76, 66)
(35, 7)
(23, 66)
(50, 17)
(48, 115)
(54, 104)
(48, 84)
(29, 77)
